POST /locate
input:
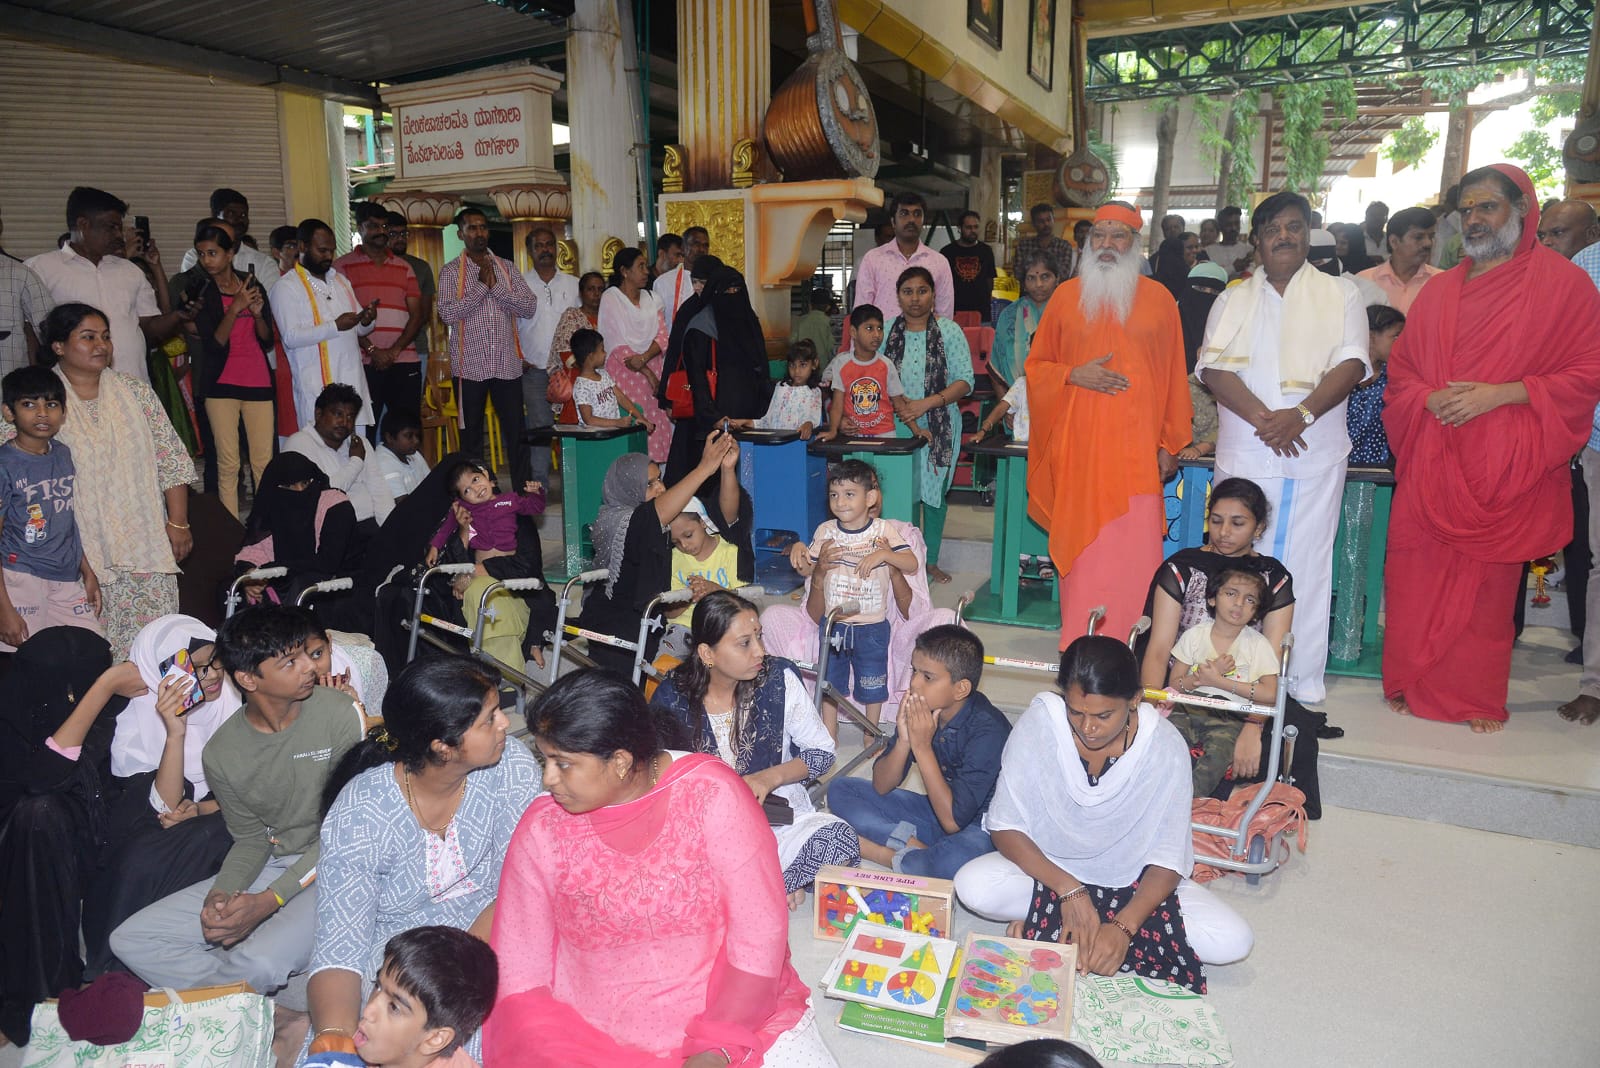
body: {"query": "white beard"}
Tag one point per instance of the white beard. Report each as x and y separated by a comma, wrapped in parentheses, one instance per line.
(1108, 287)
(1495, 246)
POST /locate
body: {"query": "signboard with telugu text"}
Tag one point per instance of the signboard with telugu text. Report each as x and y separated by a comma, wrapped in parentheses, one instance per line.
(486, 132)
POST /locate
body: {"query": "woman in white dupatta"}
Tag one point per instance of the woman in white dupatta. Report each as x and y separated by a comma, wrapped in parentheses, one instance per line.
(131, 497)
(635, 333)
(1091, 822)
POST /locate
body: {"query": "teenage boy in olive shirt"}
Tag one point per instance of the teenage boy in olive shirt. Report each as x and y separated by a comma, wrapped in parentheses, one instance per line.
(267, 766)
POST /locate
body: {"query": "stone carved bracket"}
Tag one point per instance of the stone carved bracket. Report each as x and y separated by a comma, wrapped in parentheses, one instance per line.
(746, 158)
(608, 253)
(793, 219)
(542, 201)
(423, 208)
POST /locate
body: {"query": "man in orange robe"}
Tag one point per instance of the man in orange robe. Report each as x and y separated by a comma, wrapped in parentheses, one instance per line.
(1109, 405)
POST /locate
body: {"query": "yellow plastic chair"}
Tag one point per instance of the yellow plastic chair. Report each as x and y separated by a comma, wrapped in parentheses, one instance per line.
(491, 425)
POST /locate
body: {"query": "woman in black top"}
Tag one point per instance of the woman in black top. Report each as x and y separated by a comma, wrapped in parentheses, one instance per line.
(233, 375)
(1177, 601)
(630, 539)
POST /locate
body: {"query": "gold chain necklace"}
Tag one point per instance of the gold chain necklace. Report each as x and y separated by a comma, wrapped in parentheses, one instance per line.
(417, 812)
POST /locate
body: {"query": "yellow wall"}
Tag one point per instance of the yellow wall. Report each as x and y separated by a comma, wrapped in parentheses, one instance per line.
(934, 37)
(307, 175)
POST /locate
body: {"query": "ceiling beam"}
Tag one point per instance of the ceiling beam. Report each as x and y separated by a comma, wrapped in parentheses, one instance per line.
(81, 35)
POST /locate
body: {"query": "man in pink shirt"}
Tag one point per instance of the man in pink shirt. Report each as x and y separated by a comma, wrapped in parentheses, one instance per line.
(394, 372)
(881, 268)
(1409, 236)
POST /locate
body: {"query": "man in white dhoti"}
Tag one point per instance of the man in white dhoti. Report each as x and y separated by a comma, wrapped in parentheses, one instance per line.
(320, 322)
(1282, 351)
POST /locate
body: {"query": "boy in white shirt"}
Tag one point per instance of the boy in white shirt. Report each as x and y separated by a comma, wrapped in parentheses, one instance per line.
(852, 553)
(400, 456)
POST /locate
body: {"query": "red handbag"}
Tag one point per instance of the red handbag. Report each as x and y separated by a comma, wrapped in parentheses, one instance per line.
(680, 396)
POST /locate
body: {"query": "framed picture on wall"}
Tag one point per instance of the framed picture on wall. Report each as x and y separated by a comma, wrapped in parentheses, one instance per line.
(984, 18)
(1042, 41)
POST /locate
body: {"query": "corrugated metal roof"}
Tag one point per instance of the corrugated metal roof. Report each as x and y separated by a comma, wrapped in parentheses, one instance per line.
(354, 40)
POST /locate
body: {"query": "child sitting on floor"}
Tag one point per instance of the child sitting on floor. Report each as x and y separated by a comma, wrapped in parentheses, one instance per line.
(493, 528)
(434, 991)
(852, 554)
(1226, 657)
(796, 402)
(922, 811)
(596, 395)
(866, 386)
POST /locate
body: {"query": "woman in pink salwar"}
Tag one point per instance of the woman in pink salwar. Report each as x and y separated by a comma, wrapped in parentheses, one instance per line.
(788, 631)
(641, 921)
(635, 333)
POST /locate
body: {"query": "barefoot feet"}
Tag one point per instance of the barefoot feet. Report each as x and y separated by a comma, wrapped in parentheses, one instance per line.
(796, 899)
(1486, 726)
(1581, 709)
(1398, 706)
(938, 574)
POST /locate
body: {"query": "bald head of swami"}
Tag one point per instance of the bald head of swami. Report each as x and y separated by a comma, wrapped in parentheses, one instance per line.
(1569, 227)
(1109, 276)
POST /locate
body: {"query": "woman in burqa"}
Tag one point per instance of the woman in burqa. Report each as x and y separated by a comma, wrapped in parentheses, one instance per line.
(1172, 266)
(722, 339)
(53, 741)
(299, 522)
(1202, 285)
(402, 542)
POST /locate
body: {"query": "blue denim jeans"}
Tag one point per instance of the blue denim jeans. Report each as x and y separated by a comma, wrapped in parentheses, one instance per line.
(877, 817)
(865, 653)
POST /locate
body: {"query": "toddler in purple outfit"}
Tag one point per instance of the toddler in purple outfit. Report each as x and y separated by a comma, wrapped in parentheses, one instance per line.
(492, 530)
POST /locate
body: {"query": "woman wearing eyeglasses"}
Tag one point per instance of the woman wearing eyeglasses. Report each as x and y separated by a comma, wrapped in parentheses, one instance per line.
(165, 832)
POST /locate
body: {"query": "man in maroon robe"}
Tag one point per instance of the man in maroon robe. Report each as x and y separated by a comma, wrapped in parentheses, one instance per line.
(1492, 388)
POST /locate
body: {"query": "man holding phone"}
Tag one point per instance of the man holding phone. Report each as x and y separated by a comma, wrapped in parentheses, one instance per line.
(321, 322)
(231, 207)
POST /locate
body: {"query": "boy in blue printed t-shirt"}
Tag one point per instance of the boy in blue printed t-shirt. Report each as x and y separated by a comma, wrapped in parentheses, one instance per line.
(47, 581)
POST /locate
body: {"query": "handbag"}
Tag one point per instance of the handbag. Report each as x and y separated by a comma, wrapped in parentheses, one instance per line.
(209, 1027)
(559, 391)
(778, 811)
(680, 395)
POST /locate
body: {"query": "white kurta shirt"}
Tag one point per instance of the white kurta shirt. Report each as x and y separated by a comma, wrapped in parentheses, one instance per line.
(537, 332)
(673, 288)
(301, 334)
(360, 478)
(114, 286)
(1239, 452)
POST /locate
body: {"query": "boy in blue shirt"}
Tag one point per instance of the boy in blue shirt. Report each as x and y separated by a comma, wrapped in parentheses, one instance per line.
(953, 736)
(47, 581)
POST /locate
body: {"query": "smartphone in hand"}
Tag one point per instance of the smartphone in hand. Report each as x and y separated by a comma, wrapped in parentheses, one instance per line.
(179, 666)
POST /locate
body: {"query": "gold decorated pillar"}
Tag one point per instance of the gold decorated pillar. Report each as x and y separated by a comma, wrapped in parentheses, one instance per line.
(724, 83)
(528, 207)
(427, 214)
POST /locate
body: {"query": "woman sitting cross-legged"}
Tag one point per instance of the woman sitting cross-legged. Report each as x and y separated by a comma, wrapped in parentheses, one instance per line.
(1091, 820)
(641, 919)
(420, 818)
(752, 710)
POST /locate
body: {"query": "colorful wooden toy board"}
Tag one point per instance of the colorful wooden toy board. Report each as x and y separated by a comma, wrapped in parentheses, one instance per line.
(1011, 990)
(882, 965)
(907, 902)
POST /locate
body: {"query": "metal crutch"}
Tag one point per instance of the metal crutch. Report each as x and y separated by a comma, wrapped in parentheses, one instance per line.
(333, 585)
(261, 574)
(558, 639)
(422, 592)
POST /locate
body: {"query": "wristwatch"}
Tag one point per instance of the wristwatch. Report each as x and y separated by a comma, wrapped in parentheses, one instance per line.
(1305, 413)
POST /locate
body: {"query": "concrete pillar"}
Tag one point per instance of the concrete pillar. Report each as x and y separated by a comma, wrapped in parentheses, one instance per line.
(724, 83)
(985, 199)
(604, 182)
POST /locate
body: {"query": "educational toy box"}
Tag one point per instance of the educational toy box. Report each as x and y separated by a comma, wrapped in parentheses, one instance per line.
(1010, 990)
(891, 968)
(906, 902)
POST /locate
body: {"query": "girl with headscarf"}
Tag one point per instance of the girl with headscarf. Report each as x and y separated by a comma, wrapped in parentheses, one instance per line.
(635, 330)
(298, 522)
(166, 831)
(1013, 331)
(52, 812)
(723, 339)
(630, 538)
(1172, 265)
(935, 368)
